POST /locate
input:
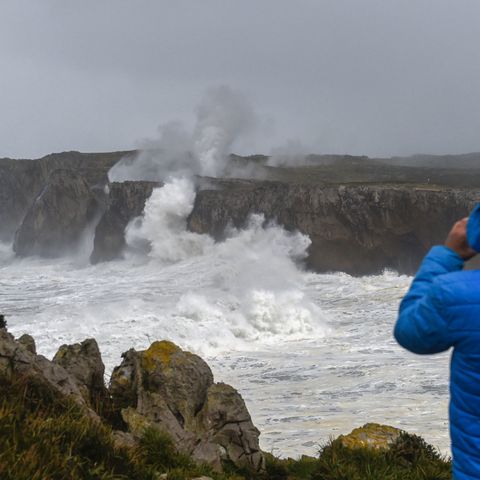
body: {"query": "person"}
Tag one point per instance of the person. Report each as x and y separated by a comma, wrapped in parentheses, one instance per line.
(442, 311)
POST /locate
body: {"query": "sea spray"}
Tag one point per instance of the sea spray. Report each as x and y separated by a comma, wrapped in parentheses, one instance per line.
(222, 117)
(254, 279)
(161, 231)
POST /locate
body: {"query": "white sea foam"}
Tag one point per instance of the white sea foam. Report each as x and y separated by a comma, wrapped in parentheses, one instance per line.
(161, 230)
(313, 355)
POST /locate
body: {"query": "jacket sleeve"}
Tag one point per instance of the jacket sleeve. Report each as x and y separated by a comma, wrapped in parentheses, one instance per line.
(421, 325)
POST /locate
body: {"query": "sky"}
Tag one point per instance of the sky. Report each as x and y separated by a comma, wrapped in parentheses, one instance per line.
(373, 77)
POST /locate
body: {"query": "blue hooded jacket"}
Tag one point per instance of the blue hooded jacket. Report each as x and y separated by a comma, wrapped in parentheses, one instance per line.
(440, 311)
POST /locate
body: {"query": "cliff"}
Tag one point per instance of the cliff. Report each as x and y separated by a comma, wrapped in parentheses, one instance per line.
(358, 229)
(362, 214)
(125, 201)
(21, 181)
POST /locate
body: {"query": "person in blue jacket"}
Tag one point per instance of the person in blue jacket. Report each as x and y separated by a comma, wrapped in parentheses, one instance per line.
(442, 311)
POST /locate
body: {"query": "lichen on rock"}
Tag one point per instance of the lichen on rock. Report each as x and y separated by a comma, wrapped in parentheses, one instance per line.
(371, 435)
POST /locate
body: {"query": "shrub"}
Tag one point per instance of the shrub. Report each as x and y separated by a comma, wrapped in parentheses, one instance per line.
(409, 458)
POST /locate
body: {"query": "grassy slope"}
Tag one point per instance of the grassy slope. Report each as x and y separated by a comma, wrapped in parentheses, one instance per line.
(43, 436)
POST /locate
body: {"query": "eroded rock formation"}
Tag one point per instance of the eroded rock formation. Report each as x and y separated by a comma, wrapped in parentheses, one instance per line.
(84, 364)
(173, 390)
(58, 217)
(358, 229)
(363, 215)
(126, 201)
(163, 387)
(21, 181)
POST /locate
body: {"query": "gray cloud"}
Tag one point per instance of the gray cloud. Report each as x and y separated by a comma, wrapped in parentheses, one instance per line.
(363, 77)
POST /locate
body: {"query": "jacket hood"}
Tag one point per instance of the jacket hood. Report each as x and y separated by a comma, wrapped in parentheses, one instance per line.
(473, 229)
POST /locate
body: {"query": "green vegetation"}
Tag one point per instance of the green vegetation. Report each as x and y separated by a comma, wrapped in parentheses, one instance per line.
(409, 458)
(46, 437)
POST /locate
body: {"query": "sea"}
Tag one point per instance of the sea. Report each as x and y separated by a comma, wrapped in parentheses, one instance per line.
(312, 354)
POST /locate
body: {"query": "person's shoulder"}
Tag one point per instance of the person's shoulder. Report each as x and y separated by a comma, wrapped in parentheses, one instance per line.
(457, 286)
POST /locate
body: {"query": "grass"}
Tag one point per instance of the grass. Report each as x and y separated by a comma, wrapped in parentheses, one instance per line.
(44, 436)
(409, 458)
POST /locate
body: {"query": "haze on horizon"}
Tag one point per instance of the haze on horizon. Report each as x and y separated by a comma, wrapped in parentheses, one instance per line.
(374, 77)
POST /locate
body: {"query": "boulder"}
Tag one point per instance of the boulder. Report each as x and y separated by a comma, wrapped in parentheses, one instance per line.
(83, 362)
(16, 360)
(167, 388)
(58, 217)
(28, 342)
(226, 421)
(371, 435)
(126, 200)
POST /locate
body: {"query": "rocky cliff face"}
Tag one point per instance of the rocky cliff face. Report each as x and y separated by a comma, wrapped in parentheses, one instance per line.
(362, 215)
(358, 229)
(21, 181)
(58, 216)
(126, 201)
(47, 204)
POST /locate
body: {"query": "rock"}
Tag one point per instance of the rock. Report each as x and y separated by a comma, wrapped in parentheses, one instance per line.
(371, 435)
(17, 360)
(167, 388)
(358, 229)
(28, 342)
(227, 422)
(21, 181)
(83, 362)
(126, 201)
(58, 217)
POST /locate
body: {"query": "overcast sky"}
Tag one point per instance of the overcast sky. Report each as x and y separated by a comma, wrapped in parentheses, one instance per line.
(376, 77)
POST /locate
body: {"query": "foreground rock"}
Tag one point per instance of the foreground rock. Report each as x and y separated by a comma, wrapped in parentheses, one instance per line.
(163, 388)
(358, 229)
(58, 217)
(371, 435)
(126, 201)
(17, 359)
(174, 391)
(83, 362)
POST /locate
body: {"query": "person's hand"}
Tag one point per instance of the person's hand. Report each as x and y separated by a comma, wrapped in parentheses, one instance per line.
(457, 240)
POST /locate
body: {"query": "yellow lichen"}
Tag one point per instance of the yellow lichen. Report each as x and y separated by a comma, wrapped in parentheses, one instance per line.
(372, 435)
(158, 352)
